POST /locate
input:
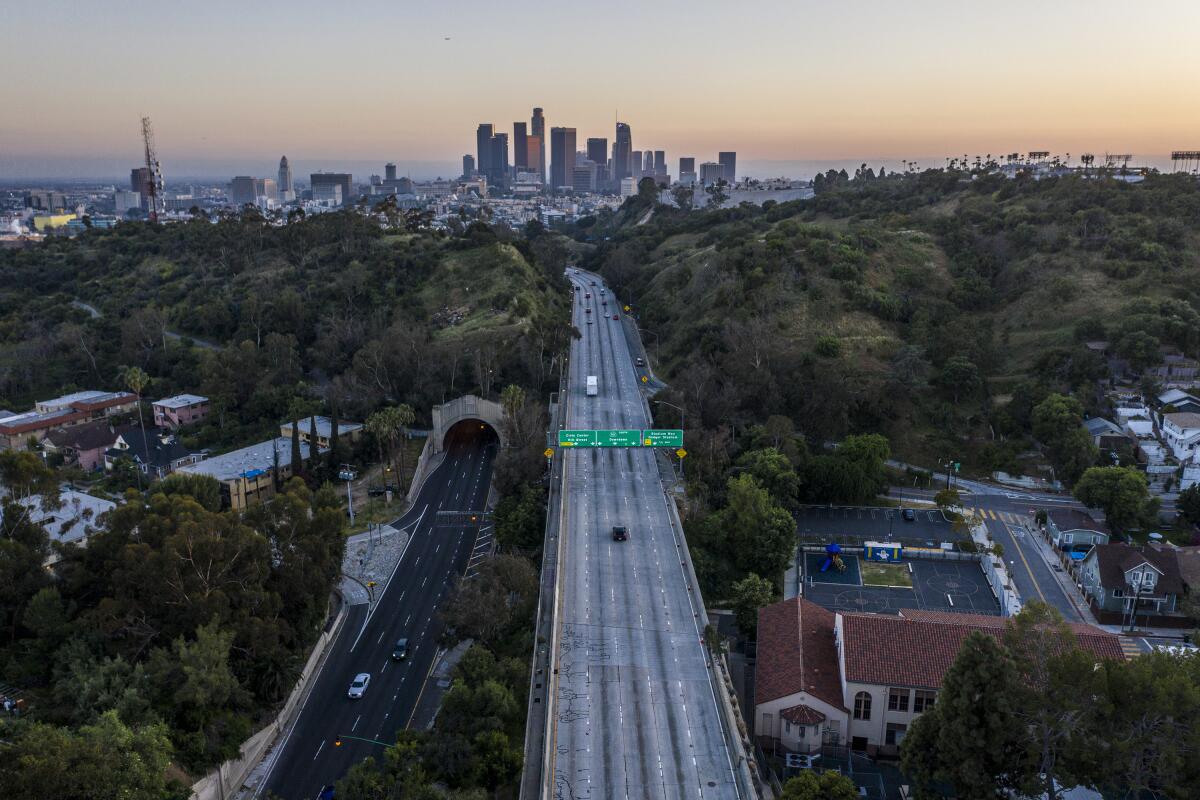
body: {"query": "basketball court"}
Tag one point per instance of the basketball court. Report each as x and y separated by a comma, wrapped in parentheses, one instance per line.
(937, 585)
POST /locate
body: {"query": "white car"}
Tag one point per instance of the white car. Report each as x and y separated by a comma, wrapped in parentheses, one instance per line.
(359, 687)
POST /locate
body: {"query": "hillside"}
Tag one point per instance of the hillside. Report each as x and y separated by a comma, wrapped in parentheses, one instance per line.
(915, 305)
(330, 305)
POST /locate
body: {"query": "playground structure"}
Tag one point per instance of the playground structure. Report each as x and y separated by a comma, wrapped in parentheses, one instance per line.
(833, 558)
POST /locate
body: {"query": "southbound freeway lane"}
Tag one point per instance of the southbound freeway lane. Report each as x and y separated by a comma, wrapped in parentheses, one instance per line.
(308, 760)
(635, 713)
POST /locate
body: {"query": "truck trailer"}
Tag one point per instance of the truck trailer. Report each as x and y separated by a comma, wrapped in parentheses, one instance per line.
(593, 386)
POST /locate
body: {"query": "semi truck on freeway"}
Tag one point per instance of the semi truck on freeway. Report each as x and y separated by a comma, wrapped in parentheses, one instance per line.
(593, 386)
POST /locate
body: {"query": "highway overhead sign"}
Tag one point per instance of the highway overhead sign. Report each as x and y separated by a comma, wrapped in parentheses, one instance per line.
(662, 438)
(576, 438)
(618, 438)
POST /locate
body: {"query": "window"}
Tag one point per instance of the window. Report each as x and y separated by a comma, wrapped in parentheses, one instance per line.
(1068, 538)
(1148, 580)
(787, 726)
(894, 734)
(1117, 593)
(923, 699)
(862, 705)
(897, 699)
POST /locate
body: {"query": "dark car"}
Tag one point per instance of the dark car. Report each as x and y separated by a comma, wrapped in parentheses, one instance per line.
(619, 533)
(908, 514)
(400, 651)
(641, 362)
(615, 316)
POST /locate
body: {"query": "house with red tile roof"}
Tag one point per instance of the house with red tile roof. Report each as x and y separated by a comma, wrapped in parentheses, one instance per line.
(825, 677)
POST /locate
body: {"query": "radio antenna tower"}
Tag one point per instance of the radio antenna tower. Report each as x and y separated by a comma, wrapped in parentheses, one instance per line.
(154, 180)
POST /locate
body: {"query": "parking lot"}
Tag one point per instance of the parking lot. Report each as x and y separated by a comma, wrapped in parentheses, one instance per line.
(938, 585)
(853, 524)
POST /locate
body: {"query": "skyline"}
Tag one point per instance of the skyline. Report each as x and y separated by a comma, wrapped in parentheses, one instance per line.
(783, 83)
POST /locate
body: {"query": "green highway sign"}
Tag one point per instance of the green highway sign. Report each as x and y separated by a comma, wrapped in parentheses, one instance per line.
(662, 438)
(618, 438)
(576, 438)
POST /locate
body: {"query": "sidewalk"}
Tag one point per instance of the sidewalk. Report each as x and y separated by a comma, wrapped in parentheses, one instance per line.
(371, 557)
(437, 683)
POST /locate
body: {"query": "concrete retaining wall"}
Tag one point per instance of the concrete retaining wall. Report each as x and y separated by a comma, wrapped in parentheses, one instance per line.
(228, 778)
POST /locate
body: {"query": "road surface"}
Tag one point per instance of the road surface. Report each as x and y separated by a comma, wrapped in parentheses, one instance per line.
(308, 759)
(635, 714)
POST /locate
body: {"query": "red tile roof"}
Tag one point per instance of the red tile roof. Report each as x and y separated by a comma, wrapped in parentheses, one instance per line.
(796, 653)
(802, 715)
(917, 648)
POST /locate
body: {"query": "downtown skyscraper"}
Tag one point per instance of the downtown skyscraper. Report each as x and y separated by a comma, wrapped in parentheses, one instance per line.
(562, 158)
(622, 165)
(537, 129)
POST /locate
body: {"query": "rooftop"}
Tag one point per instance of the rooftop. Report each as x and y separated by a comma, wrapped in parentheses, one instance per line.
(1114, 560)
(181, 401)
(67, 399)
(1185, 419)
(1072, 519)
(249, 461)
(74, 519)
(324, 426)
(797, 653)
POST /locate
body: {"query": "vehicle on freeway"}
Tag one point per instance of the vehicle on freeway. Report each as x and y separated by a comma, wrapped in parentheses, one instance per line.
(620, 534)
(604, 303)
(593, 283)
(358, 687)
(908, 514)
(639, 361)
(589, 321)
(587, 295)
(593, 384)
(587, 311)
(400, 651)
(615, 316)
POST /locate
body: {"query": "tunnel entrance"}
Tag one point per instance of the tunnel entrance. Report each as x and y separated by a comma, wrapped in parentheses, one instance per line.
(469, 409)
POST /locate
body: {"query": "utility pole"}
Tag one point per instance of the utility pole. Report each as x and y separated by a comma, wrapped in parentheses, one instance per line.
(348, 474)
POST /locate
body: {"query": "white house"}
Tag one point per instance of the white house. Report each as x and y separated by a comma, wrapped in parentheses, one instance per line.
(75, 519)
(837, 678)
(1181, 433)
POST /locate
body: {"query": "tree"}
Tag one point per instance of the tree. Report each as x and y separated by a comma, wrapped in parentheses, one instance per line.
(760, 534)
(313, 448)
(204, 489)
(136, 379)
(947, 498)
(1058, 424)
(684, 197)
(774, 472)
(1189, 504)
(809, 785)
(749, 595)
(387, 425)
(969, 739)
(1121, 492)
(717, 193)
(960, 377)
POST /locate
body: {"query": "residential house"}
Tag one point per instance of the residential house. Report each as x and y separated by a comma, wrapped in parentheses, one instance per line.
(833, 678)
(76, 517)
(82, 445)
(1175, 369)
(1115, 576)
(61, 412)
(182, 409)
(1181, 433)
(247, 476)
(1073, 530)
(157, 454)
(1179, 400)
(1105, 434)
(347, 431)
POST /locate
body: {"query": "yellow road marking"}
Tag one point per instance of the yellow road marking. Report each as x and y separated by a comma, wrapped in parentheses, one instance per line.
(1025, 561)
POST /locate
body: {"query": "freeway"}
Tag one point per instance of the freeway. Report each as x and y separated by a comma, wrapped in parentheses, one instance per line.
(437, 553)
(635, 714)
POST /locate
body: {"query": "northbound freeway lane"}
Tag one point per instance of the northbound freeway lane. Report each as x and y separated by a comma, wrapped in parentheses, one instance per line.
(307, 759)
(635, 713)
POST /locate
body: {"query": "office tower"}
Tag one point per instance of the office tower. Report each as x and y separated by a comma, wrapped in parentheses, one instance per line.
(244, 190)
(562, 157)
(497, 172)
(597, 151)
(537, 127)
(126, 202)
(268, 190)
(483, 146)
(375, 180)
(660, 162)
(333, 186)
(140, 180)
(389, 171)
(583, 177)
(728, 161)
(468, 165)
(622, 152)
(687, 165)
(520, 145)
(648, 162)
(535, 156)
(635, 164)
(287, 189)
(711, 172)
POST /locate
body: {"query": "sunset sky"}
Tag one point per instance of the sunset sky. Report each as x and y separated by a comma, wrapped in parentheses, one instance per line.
(231, 86)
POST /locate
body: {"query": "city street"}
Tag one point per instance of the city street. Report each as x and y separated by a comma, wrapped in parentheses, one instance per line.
(307, 759)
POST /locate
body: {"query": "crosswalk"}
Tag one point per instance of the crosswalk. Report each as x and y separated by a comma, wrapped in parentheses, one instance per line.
(1002, 516)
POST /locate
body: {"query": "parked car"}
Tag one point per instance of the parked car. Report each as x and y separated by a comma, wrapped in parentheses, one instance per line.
(908, 514)
(358, 687)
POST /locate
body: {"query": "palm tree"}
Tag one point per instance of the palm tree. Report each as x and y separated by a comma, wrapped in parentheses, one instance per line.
(136, 379)
(404, 416)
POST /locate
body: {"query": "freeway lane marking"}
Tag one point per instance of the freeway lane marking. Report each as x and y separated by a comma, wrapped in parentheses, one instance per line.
(319, 749)
(354, 727)
(383, 591)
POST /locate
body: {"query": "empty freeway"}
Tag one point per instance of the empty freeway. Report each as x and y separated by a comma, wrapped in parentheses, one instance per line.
(634, 712)
(307, 759)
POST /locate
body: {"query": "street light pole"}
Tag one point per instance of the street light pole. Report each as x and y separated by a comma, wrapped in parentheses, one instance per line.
(348, 474)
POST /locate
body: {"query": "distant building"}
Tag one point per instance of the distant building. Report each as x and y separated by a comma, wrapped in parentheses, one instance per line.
(562, 158)
(389, 171)
(687, 165)
(126, 202)
(660, 163)
(497, 173)
(635, 164)
(82, 445)
(62, 412)
(180, 410)
(711, 172)
(728, 162)
(347, 431)
(468, 166)
(45, 222)
(140, 181)
(483, 147)
(537, 127)
(520, 143)
(535, 155)
(46, 200)
(324, 185)
(244, 190)
(648, 163)
(155, 454)
(76, 518)
(597, 150)
(628, 186)
(287, 189)
(622, 158)
(584, 176)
